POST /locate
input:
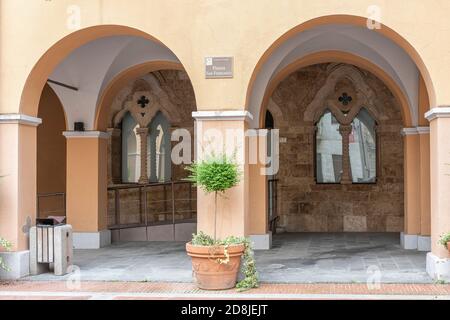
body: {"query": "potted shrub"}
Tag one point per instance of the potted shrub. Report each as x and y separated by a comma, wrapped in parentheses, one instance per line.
(445, 240)
(216, 262)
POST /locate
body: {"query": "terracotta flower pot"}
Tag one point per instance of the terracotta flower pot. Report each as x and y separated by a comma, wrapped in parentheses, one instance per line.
(209, 273)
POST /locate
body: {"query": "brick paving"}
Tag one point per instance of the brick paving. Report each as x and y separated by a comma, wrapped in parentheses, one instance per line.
(162, 290)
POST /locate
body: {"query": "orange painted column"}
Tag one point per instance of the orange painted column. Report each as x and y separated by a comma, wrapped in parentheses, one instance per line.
(411, 143)
(242, 210)
(424, 241)
(417, 230)
(87, 188)
(18, 188)
(232, 209)
(438, 260)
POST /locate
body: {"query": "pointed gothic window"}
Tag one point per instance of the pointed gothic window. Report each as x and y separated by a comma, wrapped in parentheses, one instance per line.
(328, 150)
(159, 150)
(131, 155)
(362, 148)
(346, 153)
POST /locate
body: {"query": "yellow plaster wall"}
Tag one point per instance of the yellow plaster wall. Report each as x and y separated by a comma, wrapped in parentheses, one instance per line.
(194, 29)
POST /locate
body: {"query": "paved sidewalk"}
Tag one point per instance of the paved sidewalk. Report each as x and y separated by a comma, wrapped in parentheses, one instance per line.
(295, 258)
(98, 290)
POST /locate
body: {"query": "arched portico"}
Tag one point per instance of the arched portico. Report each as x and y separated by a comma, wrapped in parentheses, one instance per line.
(345, 39)
(84, 67)
(264, 46)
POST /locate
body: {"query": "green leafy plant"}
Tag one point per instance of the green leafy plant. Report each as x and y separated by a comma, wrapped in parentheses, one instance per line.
(249, 267)
(215, 175)
(5, 244)
(444, 239)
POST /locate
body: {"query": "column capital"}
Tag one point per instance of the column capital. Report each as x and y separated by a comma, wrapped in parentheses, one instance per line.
(20, 119)
(439, 112)
(86, 134)
(222, 115)
(415, 130)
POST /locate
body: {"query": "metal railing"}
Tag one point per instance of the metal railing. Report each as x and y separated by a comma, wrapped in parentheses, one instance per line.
(133, 205)
(272, 206)
(51, 204)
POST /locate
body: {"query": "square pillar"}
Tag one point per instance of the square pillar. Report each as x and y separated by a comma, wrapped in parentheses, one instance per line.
(18, 157)
(258, 191)
(438, 260)
(87, 188)
(411, 144)
(228, 129)
(417, 189)
(424, 239)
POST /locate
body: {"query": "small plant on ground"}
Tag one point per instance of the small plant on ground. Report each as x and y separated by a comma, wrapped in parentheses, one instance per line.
(5, 244)
(445, 238)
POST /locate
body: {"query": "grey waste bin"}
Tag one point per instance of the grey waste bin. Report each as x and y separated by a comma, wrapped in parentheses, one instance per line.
(50, 246)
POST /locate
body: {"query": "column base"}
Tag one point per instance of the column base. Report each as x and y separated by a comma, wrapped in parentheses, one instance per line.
(424, 243)
(408, 241)
(261, 241)
(17, 262)
(438, 268)
(91, 240)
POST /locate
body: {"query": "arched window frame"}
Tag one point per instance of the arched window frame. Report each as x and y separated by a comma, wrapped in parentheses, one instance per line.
(129, 130)
(155, 165)
(345, 121)
(129, 125)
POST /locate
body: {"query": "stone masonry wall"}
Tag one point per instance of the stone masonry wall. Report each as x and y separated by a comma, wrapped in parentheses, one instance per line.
(309, 207)
(173, 91)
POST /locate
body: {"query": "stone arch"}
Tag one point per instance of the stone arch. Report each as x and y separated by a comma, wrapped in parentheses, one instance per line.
(340, 19)
(117, 85)
(339, 57)
(363, 96)
(125, 101)
(59, 51)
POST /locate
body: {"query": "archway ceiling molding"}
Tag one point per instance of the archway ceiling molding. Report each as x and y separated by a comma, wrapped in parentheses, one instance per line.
(92, 66)
(358, 41)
